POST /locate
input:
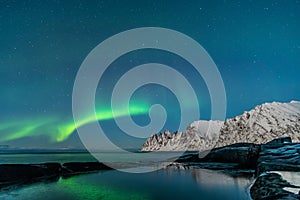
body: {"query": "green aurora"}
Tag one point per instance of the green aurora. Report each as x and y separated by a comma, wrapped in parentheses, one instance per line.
(60, 132)
(24, 128)
(66, 130)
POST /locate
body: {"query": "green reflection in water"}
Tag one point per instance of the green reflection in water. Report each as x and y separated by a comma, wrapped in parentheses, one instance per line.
(81, 189)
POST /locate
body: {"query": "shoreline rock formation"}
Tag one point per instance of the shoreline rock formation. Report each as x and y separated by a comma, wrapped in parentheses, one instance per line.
(272, 185)
(265, 162)
(20, 174)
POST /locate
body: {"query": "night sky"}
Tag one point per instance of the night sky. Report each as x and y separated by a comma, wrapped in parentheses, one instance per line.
(255, 45)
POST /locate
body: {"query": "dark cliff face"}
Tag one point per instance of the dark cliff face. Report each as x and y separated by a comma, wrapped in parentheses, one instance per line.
(238, 156)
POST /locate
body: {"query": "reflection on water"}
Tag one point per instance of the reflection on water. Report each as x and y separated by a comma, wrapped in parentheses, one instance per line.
(162, 184)
(208, 178)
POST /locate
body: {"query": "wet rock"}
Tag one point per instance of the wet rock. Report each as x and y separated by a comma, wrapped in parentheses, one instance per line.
(277, 155)
(176, 165)
(271, 186)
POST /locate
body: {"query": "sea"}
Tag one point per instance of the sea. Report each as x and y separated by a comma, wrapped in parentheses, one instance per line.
(155, 184)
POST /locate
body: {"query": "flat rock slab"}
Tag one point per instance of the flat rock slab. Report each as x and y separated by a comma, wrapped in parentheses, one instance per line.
(18, 174)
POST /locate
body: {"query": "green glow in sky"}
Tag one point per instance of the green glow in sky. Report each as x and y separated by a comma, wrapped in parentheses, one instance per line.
(20, 129)
(60, 132)
(67, 129)
(26, 131)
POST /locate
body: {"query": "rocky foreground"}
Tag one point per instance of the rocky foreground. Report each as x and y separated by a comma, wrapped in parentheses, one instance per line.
(264, 162)
(268, 163)
(19, 174)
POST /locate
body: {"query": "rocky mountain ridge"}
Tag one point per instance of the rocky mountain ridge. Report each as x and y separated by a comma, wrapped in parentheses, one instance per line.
(262, 124)
(198, 135)
(259, 125)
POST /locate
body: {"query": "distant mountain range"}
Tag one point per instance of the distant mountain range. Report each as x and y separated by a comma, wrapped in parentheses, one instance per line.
(259, 125)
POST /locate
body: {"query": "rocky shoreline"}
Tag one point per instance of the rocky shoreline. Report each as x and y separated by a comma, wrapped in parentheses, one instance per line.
(20, 174)
(264, 162)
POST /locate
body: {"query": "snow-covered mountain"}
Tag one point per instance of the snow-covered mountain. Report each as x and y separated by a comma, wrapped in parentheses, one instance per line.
(199, 135)
(262, 124)
(259, 125)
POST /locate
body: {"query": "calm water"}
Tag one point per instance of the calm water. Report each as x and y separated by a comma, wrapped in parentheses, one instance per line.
(161, 184)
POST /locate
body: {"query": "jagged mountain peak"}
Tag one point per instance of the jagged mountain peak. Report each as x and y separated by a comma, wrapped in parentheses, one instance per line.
(259, 125)
(198, 135)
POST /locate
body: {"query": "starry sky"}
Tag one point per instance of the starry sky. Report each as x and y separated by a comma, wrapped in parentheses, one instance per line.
(255, 45)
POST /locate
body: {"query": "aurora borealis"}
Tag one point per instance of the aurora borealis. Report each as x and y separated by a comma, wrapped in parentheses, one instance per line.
(255, 45)
(61, 132)
(66, 130)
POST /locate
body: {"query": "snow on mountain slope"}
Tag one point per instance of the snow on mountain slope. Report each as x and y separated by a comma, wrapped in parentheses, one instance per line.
(262, 124)
(259, 125)
(199, 135)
